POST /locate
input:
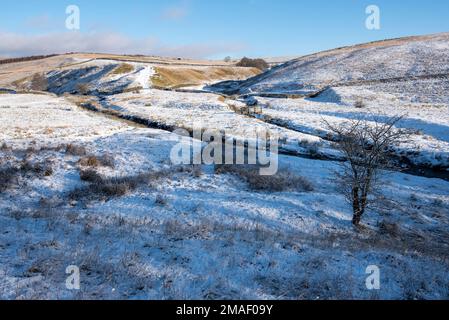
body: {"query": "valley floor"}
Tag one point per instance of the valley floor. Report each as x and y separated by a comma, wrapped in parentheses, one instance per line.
(84, 189)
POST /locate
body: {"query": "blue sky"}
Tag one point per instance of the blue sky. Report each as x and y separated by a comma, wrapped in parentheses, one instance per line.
(210, 28)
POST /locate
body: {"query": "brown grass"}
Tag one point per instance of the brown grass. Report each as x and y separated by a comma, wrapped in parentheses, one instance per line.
(122, 69)
(282, 181)
(106, 188)
(178, 77)
(105, 160)
(221, 99)
(75, 150)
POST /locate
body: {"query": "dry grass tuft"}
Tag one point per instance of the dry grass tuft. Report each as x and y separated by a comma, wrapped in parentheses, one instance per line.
(282, 181)
(161, 200)
(105, 160)
(43, 169)
(4, 147)
(106, 188)
(75, 150)
(90, 175)
(221, 99)
(7, 177)
(359, 104)
(388, 228)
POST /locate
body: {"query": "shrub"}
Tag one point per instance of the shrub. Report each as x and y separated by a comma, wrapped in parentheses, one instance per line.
(282, 181)
(75, 150)
(4, 147)
(359, 104)
(28, 166)
(101, 187)
(113, 187)
(94, 161)
(90, 176)
(89, 161)
(40, 169)
(253, 63)
(7, 175)
(48, 171)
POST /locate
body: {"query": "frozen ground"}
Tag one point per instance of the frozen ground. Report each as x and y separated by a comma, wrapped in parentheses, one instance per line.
(189, 233)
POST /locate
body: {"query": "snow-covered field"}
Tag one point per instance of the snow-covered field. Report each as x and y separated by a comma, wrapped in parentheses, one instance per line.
(300, 124)
(207, 111)
(428, 145)
(182, 232)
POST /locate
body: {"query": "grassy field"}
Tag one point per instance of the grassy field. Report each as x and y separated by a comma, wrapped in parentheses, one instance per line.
(178, 77)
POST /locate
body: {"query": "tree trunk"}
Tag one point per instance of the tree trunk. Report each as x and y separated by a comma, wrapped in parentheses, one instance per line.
(356, 219)
(358, 212)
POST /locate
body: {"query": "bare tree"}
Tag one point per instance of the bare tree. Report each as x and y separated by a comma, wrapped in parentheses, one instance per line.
(366, 145)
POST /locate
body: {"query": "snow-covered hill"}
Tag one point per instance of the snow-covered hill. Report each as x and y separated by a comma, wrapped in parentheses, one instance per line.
(109, 74)
(396, 60)
(100, 77)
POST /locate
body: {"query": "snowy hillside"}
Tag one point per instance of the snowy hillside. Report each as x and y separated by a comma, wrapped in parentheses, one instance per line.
(426, 56)
(100, 77)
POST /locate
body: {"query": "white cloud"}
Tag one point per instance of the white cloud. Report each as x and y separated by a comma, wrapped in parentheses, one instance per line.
(13, 44)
